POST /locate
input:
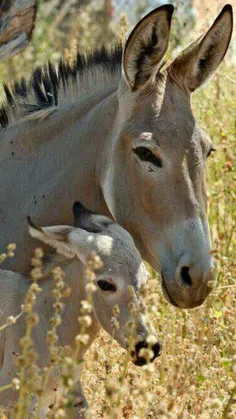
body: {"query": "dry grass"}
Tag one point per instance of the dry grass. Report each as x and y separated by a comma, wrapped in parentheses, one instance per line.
(195, 377)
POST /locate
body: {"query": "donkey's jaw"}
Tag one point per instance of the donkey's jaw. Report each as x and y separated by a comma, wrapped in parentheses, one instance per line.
(166, 293)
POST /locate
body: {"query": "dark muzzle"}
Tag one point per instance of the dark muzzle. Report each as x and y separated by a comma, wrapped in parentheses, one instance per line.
(143, 360)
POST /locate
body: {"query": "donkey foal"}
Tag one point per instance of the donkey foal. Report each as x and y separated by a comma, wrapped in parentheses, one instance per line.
(121, 269)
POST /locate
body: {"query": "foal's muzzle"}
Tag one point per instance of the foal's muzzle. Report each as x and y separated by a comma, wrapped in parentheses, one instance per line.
(140, 360)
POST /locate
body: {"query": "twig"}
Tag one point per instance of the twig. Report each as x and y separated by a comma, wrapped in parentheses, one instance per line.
(5, 387)
(227, 77)
(227, 407)
(14, 319)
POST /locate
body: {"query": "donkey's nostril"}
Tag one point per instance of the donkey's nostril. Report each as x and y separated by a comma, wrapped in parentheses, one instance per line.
(184, 275)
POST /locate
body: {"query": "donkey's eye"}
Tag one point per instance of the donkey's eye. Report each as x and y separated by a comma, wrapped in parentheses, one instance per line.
(145, 154)
(106, 286)
(210, 151)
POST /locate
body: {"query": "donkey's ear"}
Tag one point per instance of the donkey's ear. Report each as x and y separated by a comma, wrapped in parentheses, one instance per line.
(85, 219)
(201, 59)
(146, 46)
(56, 237)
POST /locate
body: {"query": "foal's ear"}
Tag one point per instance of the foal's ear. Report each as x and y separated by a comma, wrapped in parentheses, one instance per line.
(146, 46)
(200, 59)
(56, 237)
(85, 219)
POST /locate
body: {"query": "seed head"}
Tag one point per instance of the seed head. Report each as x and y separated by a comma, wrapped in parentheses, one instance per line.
(116, 310)
(91, 288)
(38, 253)
(36, 274)
(86, 307)
(231, 385)
(60, 414)
(33, 319)
(36, 262)
(11, 247)
(26, 341)
(82, 339)
(85, 321)
(16, 383)
(67, 292)
(3, 256)
(10, 254)
(114, 323)
(11, 320)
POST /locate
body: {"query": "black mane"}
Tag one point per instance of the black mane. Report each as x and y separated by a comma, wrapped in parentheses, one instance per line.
(46, 81)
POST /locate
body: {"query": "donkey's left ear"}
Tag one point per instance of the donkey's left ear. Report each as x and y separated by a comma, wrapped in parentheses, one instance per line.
(200, 60)
(56, 237)
(146, 47)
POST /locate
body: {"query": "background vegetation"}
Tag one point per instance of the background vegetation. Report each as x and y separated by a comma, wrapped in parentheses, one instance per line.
(196, 375)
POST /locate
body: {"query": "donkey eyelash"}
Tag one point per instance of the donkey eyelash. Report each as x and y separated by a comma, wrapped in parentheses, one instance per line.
(212, 149)
(145, 154)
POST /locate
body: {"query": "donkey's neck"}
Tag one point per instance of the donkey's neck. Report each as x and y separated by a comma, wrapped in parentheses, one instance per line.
(48, 164)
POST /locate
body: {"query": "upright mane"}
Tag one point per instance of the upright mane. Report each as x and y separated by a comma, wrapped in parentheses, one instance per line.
(51, 86)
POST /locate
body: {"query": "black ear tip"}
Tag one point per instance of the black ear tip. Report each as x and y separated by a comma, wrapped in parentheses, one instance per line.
(29, 220)
(78, 208)
(227, 9)
(228, 6)
(168, 7)
(171, 7)
(31, 224)
(77, 204)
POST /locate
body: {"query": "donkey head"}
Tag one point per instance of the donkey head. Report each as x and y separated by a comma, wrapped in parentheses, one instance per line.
(118, 280)
(158, 160)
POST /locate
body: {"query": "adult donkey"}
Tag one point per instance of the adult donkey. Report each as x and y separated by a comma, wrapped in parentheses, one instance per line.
(116, 132)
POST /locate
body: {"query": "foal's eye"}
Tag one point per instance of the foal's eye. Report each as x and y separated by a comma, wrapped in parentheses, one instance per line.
(145, 154)
(106, 286)
(210, 151)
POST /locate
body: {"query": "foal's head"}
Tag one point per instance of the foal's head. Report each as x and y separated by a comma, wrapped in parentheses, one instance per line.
(118, 279)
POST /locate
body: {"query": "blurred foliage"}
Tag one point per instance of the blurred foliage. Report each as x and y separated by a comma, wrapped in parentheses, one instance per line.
(91, 27)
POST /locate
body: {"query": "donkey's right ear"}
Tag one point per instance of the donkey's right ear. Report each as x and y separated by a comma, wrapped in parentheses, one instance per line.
(56, 237)
(146, 47)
